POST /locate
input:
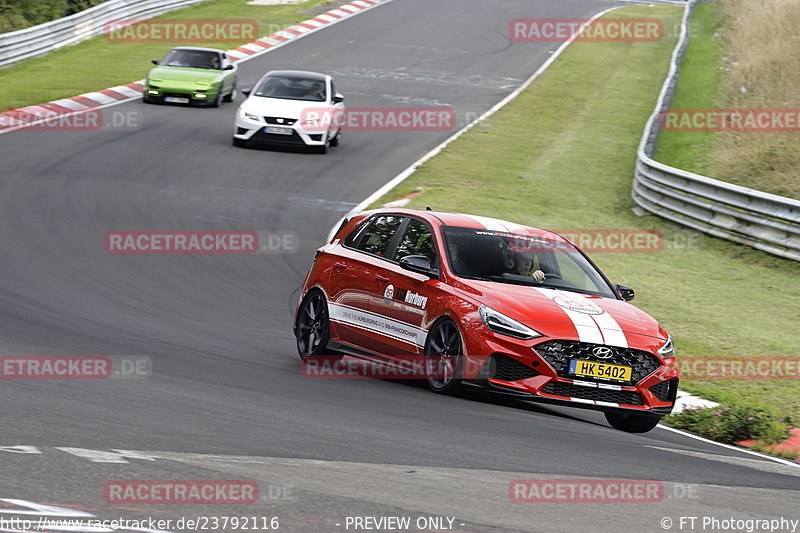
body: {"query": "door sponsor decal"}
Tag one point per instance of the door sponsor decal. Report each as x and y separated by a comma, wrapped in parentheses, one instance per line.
(374, 322)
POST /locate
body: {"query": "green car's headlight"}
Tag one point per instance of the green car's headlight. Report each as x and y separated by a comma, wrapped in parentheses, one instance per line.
(244, 114)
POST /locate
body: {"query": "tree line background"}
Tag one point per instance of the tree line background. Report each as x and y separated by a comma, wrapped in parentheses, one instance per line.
(18, 14)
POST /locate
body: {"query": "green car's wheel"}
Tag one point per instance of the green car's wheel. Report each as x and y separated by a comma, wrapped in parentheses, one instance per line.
(231, 95)
(217, 99)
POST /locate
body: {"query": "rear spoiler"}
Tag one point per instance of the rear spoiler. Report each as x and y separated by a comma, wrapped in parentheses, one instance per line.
(342, 223)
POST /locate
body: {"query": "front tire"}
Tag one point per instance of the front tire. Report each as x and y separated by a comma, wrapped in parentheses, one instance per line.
(217, 99)
(443, 357)
(312, 326)
(240, 143)
(632, 423)
(231, 95)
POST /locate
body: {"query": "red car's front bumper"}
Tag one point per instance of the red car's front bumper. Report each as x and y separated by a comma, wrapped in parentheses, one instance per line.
(538, 368)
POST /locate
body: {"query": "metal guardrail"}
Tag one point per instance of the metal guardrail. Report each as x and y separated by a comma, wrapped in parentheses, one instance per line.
(764, 221)
(38, 40)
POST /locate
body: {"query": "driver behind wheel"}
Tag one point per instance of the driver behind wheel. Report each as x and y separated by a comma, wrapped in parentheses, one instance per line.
(523, 263)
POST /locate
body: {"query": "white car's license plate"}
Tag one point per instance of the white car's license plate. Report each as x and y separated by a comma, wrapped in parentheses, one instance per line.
(278, 131)
(176, 100)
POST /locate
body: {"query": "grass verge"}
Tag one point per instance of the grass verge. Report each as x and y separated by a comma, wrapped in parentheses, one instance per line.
(698, 88)
(98, 63)
(561, 156)
(741, 55)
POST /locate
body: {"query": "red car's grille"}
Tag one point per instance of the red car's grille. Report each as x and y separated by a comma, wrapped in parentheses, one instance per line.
(508, 369)
(558, 354)
(569, 390)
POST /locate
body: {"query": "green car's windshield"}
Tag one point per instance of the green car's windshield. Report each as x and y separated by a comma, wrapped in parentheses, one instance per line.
(290, 88)
(516, 257)
(192, 59)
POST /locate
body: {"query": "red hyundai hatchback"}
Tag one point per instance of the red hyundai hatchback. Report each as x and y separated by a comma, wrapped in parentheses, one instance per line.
(472, 299)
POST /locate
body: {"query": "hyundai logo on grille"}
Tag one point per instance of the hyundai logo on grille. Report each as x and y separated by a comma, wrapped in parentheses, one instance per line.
(601, 352)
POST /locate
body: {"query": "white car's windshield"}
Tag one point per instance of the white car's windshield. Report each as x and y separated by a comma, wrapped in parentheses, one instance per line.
(291, 88)
(522, 259)
(192, 59)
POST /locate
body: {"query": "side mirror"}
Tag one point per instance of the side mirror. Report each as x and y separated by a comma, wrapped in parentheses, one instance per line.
(626, 292)
(338, 98)
(155, 61)
(419, 264)
(247, 92)
(229, 66)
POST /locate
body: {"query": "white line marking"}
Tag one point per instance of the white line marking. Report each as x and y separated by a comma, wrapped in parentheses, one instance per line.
(739, 461)
(101, 456)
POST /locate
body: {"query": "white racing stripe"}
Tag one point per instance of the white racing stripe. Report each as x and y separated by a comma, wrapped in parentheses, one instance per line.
(612, 332)
(586, 327)
(609, 329)
(492, 224)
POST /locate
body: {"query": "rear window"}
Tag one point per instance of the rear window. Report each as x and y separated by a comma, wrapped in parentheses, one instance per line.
(375, 237)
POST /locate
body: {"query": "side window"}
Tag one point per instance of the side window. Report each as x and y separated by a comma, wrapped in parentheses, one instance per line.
(378, 234)
(417, 240)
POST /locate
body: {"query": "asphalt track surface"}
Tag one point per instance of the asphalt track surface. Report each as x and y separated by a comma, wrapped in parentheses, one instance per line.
(226, 399)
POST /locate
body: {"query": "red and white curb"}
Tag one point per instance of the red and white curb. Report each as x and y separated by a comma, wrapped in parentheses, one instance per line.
(24, 117)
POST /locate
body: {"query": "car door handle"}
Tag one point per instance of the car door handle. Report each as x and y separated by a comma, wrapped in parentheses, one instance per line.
(381, 279)
(340, 266)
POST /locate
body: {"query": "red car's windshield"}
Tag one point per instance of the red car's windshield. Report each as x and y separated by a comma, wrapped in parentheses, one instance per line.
(522, 259)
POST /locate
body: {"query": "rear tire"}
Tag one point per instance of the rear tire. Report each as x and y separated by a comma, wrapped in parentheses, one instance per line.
(312, 326)
(443, 358)
(632, 423)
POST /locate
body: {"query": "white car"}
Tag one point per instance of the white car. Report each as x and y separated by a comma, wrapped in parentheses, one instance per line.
(291, 108)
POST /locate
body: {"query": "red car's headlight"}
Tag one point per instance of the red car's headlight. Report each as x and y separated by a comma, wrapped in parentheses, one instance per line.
(500, 323)
(667, 350)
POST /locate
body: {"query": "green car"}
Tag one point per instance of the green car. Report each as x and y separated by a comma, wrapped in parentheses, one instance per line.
(189, 75)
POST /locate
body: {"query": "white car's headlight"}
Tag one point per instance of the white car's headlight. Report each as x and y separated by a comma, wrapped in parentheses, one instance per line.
(311, 122)
(667, 350)
(243, 113)
(500, 323)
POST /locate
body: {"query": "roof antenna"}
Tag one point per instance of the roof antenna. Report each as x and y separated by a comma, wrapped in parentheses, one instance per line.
(428, 208)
